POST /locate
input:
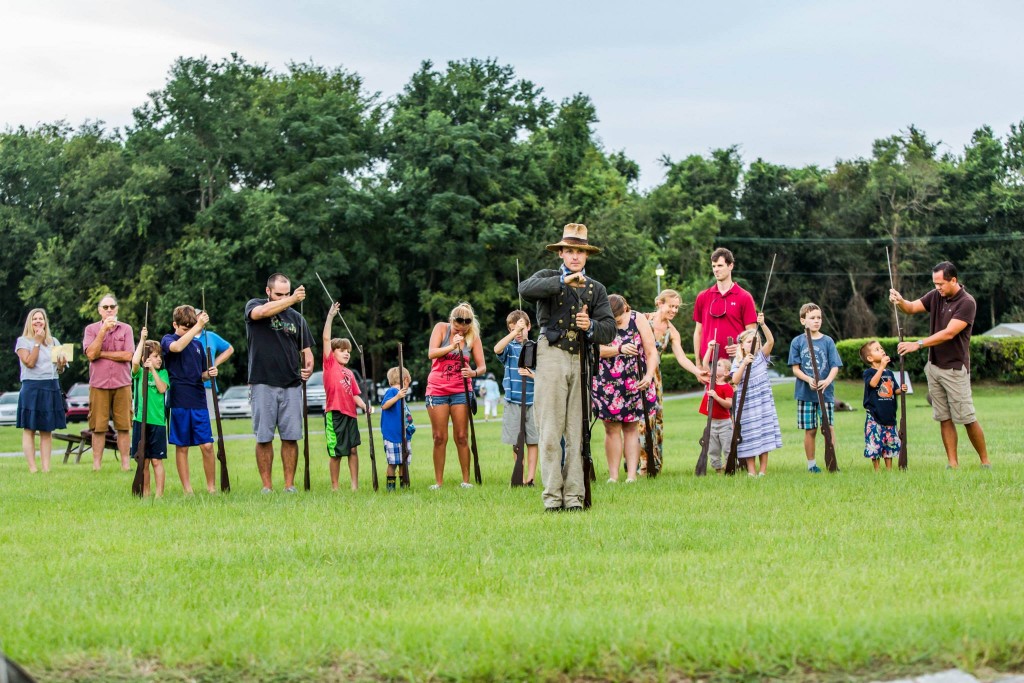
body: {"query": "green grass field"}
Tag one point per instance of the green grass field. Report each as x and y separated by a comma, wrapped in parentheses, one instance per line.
(825, 577)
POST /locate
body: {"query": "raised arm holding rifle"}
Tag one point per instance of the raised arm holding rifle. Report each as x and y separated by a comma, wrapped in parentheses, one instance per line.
(149, 430)
(342, 389)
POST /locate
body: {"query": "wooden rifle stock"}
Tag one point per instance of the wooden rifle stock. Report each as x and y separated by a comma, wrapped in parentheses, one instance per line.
(472, 427)
(705, 440)
(222, 456)
(404, 474)
(826, 425)
(588, 459)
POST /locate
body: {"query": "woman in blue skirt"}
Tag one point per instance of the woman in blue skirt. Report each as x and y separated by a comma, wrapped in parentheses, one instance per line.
(40, 403)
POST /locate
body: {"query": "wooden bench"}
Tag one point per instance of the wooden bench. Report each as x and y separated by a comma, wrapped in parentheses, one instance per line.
(83, 442)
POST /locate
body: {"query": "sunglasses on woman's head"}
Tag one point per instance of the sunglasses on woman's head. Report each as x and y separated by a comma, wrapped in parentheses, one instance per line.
(463, 321)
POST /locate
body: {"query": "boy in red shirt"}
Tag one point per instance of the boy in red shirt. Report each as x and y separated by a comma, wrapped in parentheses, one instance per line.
(721, 418)
(341, 425)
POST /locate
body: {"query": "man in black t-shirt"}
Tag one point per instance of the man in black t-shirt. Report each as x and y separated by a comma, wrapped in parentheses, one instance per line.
(951, 314)
(276, 332)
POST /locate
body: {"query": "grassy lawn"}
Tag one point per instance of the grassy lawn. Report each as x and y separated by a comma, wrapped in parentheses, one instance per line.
(793, 575)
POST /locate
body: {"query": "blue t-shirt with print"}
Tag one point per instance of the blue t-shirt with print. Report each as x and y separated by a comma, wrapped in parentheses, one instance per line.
(880, 401)
(186, 372)
(512, 382)
(827, 356)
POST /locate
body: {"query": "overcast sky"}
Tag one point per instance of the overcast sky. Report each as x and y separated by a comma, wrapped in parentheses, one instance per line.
(795, 82)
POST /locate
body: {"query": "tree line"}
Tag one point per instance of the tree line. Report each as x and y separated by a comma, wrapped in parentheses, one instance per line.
(410, 204)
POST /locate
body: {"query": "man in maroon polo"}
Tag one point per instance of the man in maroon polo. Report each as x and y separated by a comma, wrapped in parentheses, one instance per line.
(722, 310)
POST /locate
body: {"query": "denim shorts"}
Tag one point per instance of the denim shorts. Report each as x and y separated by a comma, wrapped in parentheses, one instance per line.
(458, 399)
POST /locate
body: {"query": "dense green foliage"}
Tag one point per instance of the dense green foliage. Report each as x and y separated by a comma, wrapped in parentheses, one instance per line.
(1000, 359)
(815, 577)
(232, 171)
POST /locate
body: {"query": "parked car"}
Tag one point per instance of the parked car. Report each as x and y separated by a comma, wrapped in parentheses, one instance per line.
(235, 402)
(9, 408)
(316, 396)
(414, 391)
(78, 402)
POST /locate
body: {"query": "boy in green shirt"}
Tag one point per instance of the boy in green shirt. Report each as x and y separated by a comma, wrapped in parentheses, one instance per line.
(156, 418)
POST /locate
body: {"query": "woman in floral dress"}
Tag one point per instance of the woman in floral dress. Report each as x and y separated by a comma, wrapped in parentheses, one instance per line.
(665, 336)
(626, 370)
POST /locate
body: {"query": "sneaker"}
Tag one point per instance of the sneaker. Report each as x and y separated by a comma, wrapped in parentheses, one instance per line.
(435, 487)
(553, 509)
(631, 481)
(466, 485)
(986, 465)
(760, 474)
(612, 481)
(290, 489)
(574, 508)
(814, 470)
(267, 490)
(751, 474)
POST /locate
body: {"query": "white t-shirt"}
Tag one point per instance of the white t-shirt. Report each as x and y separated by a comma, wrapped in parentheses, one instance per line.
(44, 369)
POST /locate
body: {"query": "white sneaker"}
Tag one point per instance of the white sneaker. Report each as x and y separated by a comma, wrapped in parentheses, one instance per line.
(631, 481)
(466, 485)
(612, 481)
(435, 487)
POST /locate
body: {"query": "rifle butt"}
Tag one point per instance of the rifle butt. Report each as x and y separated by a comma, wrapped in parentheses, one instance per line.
(138, 482)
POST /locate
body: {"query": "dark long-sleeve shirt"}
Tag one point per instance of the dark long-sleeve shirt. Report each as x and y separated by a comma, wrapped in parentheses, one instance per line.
(546, 288)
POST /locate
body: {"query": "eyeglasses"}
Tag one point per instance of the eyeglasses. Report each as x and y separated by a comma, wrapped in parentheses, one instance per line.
(720, 313)
(108, 307)
(463, 321)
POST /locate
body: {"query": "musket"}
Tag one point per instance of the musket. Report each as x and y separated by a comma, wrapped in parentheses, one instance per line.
(737, 437)
(903, 397)
(305, 411)
(222, 456)
(652, 464)
(705, 440)
(586, 370)
(527, 361)
(469, 412)
(362, 365)
(139, 482)
(405, 437)
(826, 425)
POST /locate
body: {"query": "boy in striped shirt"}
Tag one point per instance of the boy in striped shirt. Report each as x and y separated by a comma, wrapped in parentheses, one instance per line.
(514, 382)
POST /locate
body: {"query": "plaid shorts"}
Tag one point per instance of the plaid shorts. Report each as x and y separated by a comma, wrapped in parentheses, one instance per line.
(808, 413)
(393, 452)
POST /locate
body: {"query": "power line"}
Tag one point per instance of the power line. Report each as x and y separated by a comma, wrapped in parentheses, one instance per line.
(925, 239)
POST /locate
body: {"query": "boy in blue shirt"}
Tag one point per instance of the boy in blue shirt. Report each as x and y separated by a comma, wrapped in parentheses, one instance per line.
(881, 438)
(392, 422)
(190, 421)
(808, 411)
(508, 350)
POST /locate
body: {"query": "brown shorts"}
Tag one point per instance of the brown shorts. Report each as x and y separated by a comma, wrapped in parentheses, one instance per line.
(951, 394)
(107, 403)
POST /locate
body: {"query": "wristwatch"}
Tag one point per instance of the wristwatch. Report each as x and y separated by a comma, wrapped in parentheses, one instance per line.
(920, 344)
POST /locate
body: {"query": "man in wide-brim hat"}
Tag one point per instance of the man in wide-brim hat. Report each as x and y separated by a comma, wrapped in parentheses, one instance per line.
(572, 310)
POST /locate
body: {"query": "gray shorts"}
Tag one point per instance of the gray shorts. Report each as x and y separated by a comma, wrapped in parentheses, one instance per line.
(951, 394)
(276, 408)
(510, 425)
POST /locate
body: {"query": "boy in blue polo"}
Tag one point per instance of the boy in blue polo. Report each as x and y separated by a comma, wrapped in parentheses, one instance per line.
(190, 421)
(808, 412)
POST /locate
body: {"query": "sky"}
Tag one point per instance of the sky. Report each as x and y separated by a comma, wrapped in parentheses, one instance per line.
(793, 83)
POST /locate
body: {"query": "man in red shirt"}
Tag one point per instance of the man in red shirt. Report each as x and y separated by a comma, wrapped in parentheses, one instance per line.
(951, 312)
(722, 310)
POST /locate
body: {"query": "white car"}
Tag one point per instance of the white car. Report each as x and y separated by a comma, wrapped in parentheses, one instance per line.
(235, 402)
(9, 408)
(316, 396)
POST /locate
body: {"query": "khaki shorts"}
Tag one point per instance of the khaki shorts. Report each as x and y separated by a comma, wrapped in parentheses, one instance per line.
(105, 404)
(951, 394)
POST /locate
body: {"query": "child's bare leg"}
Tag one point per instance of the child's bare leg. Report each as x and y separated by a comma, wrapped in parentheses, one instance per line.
(531, 462)
(750, 465)
(159, 476)
(888, 463)
(335, 472)
(809, 436)
(209, 467)
(875, 462)
(613, 448)
(181, 460)
(146, 480)
(763, 461)
(631, 446)
(353, 468)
